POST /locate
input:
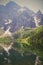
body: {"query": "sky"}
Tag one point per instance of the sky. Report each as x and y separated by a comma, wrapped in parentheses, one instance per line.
(34, 5)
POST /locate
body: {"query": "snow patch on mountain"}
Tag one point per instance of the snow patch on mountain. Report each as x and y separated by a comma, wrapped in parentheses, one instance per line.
(7, 32)
(36, 21)
(8, 22)
(21, 9)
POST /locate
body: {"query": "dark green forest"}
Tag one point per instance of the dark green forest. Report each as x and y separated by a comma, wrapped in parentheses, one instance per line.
(27, 48)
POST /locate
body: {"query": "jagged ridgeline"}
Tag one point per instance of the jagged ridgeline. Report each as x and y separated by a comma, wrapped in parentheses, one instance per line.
(25, 47)
(14, 16)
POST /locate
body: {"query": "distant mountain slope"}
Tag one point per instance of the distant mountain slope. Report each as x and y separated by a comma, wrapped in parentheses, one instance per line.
(18, 16)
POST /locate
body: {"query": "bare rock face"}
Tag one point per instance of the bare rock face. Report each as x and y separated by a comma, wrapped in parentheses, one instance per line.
(14, 16)
(38, 18)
